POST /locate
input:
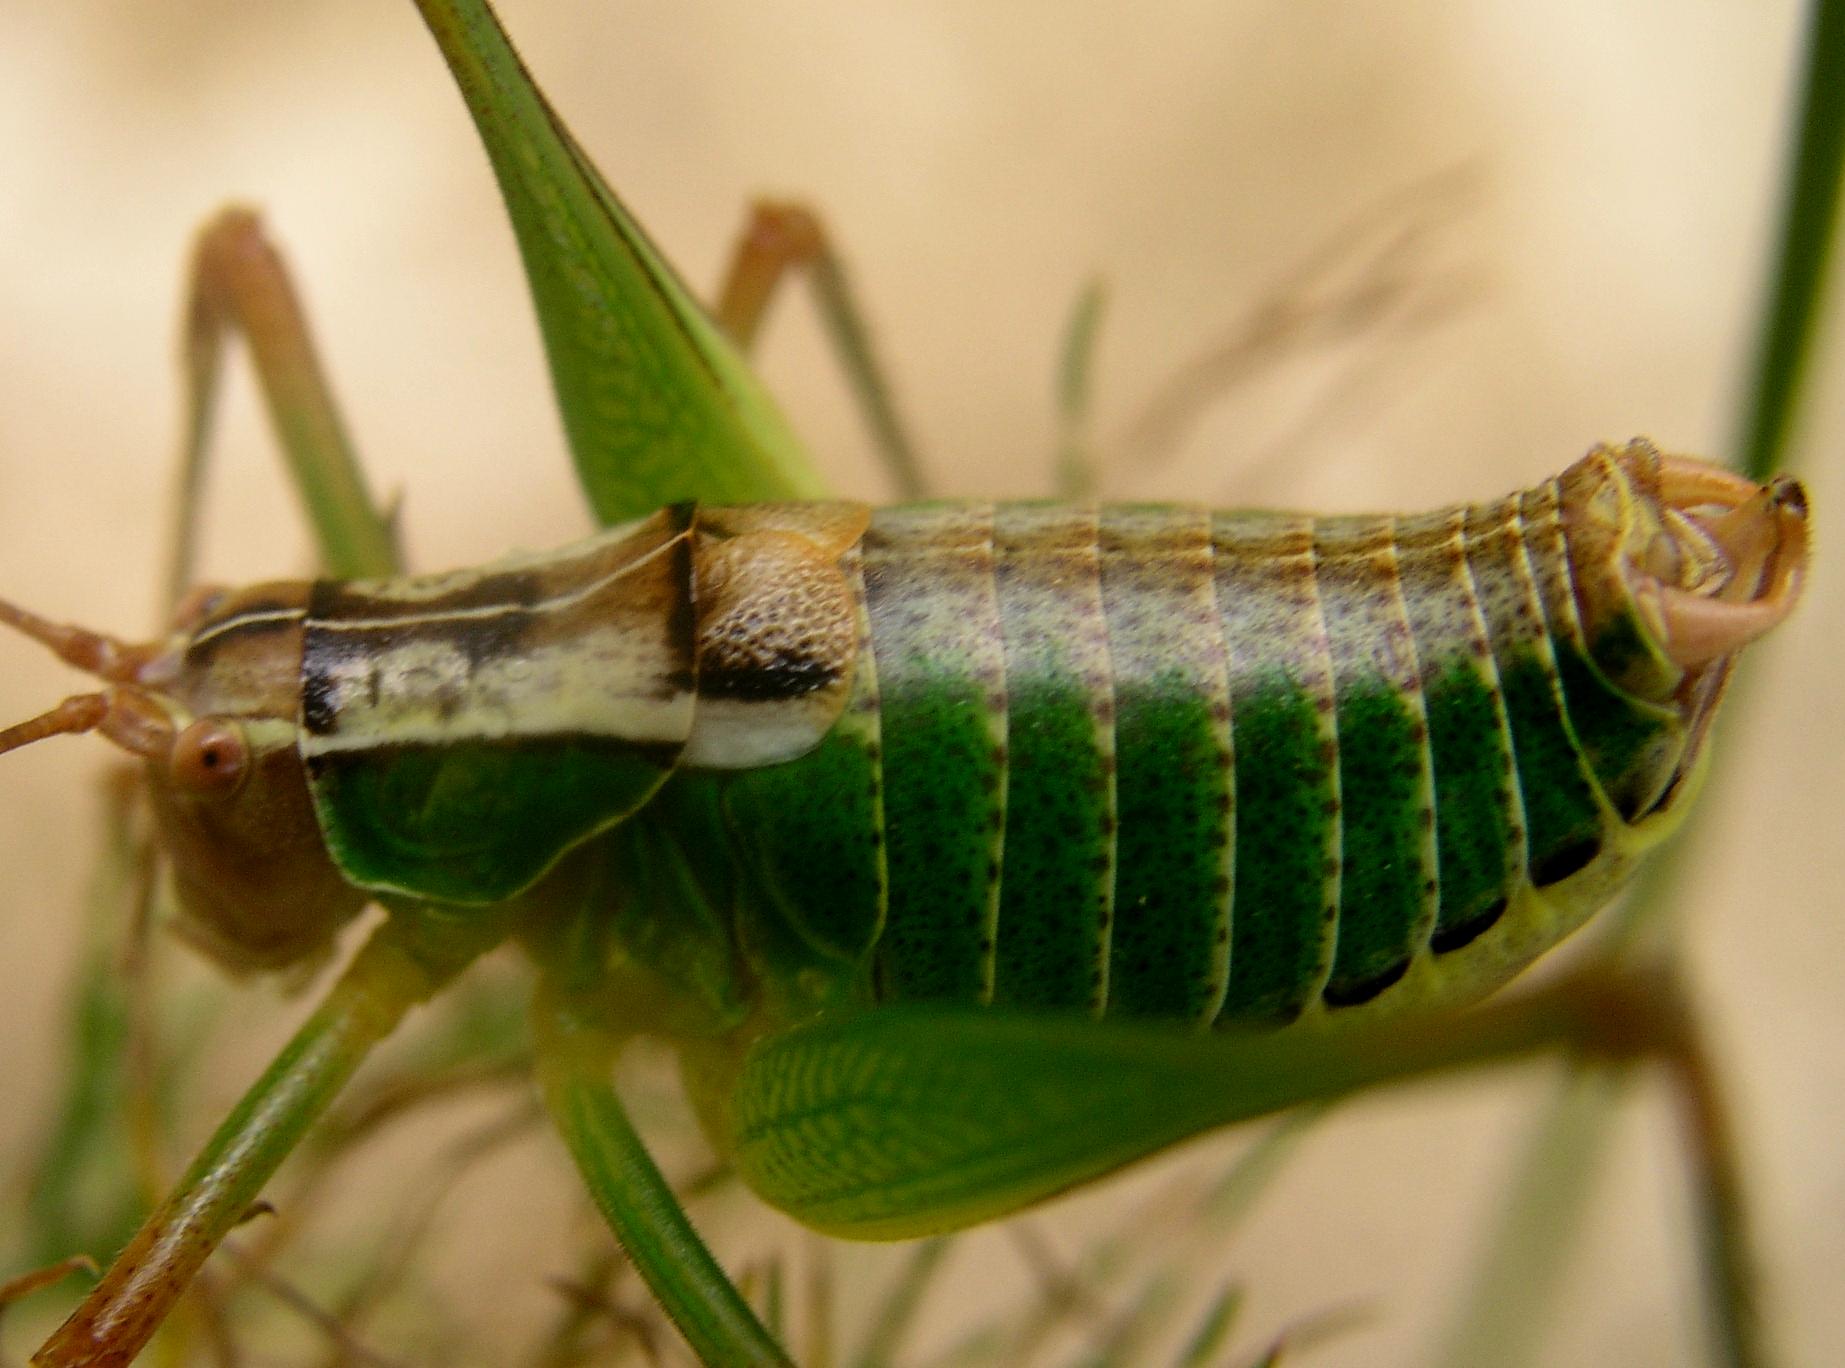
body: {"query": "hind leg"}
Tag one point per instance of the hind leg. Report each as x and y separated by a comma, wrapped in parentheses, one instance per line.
(777, 240)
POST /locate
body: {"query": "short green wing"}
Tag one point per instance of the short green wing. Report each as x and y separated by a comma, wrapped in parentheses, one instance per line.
(913, 1119)
(657, 404)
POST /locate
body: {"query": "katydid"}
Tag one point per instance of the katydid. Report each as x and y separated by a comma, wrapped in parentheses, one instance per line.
(978, 849)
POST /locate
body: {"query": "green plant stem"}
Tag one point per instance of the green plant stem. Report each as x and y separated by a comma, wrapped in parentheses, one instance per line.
(1809, 222)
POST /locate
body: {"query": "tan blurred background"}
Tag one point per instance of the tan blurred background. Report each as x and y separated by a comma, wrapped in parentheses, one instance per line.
(978, 162)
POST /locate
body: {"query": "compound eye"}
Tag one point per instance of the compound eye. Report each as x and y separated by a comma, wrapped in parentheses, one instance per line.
(211, 757)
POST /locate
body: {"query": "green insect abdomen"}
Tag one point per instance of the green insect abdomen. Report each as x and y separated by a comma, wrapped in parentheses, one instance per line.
(1220, 768)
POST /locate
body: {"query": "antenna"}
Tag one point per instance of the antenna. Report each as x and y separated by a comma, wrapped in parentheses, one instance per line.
(126, 713)
(92, 652)
(83, 713)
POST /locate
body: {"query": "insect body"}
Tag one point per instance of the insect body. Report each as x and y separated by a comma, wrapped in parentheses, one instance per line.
(781, 762)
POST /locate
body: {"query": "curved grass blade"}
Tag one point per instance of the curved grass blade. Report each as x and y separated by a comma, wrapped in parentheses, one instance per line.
(79, 1188)
(1181, 1224)
(657, 404)
(896, 1311)
(1506, 1311)
(1213, 1329)
(1809, 224)
(1124, 1342)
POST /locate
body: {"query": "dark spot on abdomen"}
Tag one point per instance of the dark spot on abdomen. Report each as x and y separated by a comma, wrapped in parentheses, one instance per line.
(1560, 864)
(1447, 938)
(1350, 992)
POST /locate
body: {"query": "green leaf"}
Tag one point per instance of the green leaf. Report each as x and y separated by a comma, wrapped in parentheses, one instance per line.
(657, 404)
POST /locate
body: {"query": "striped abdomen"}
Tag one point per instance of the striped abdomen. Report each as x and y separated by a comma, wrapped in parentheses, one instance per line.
(1160, 762)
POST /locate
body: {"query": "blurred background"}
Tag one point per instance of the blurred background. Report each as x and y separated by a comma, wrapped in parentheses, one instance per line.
(1569, 207)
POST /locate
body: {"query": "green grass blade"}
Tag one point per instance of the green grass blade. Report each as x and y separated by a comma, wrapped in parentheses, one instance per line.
(1124, 1341)
(1076, 457)
(1213, 1329)
(896, 1313)
(1809, 221)
(1256, 1168)
(657, 404)
(80, 1191)
(80, 1186)
(774, 1304)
